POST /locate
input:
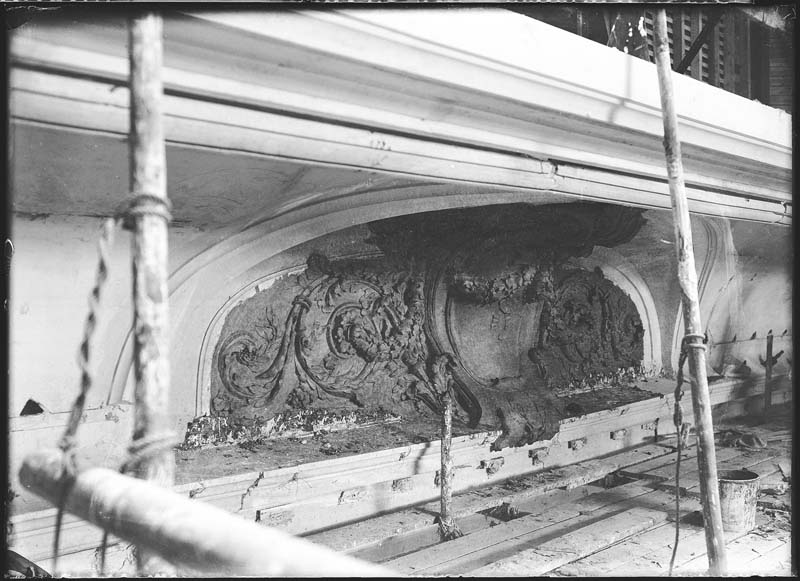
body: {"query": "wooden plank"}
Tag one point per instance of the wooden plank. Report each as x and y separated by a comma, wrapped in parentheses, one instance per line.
(33, 532)
(655, 469)
(543, 489)
(762, 463)
(476, 500)
(424, 561)
(650, 551)
(649, 554)
(646, 547)
(496, 543)
(739, 548)
(750, 553)
(373, 530)
(557, 552)
(588, 503)
(402, 544)
(689, 469)
(570, 476)
(777, 562)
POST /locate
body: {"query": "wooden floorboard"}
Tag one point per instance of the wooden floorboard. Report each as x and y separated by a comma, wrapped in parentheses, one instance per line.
(741, 548)
(403, 544)
(649, 551)
(567, 548)
(570, 525)
(777, 562)
(465, 555)
(443, 553)
(546, 488)
(649, 554)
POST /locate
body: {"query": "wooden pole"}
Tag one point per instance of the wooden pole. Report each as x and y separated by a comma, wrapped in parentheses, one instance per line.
(148, 220)
(687, 278)
(698, 43)
(199, 538)
(768, 379)
(446, 521)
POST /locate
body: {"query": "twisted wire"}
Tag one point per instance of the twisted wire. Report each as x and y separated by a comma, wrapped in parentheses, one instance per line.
(67, 442)
(139, 204)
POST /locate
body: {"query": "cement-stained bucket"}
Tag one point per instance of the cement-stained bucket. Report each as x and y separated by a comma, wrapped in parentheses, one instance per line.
(738, 493)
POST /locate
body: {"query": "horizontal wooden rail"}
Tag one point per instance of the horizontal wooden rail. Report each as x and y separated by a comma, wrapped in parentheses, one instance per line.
(190, 534)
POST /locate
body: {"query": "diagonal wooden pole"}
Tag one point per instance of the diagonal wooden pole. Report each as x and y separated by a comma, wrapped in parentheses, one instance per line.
(147, 218)
(698, 43)
(687, 278)
(202, 539)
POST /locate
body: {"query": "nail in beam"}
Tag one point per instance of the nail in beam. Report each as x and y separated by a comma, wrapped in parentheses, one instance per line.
(150, 253)
(199, 538)
(687, 278)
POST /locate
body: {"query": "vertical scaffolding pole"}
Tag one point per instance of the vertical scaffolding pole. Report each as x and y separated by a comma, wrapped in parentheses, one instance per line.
(448, 529)
(147, 218)
(768, 379)
(687, 277)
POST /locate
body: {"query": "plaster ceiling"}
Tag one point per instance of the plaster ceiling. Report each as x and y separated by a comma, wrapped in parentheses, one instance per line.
(82, 173)
(62, 171)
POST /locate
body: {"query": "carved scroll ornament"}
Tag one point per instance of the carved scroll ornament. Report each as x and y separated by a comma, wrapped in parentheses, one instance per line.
(355, 333)
(489, 291)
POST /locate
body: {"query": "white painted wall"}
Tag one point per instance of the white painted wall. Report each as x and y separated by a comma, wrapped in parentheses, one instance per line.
(55, 260)
(52, 273)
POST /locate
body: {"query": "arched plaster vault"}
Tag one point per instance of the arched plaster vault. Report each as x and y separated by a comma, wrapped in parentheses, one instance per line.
(201, 284)
(623, 273)
(200, 289)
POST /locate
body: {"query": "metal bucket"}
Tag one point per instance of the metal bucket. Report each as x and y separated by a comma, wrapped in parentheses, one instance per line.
(738, 493)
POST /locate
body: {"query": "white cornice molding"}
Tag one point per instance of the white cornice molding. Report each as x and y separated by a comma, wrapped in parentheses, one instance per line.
(468, 47)
(369, 93)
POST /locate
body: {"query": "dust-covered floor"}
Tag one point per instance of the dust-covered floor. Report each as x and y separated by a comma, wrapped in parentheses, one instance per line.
(620, 525)
(217, 461)
(762, 445)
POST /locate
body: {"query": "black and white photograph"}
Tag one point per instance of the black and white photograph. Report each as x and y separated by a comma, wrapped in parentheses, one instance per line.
(398, 289)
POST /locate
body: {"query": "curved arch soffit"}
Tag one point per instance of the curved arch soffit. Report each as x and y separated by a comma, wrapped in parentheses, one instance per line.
(614, 266)
(280, 231)
(623, 273)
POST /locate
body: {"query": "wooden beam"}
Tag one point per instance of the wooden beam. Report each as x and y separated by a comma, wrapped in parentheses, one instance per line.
(698, 43)
(687, 278)
(768, 380)
(148, 220)
(190, 534)
(769, 16)
(572, 546)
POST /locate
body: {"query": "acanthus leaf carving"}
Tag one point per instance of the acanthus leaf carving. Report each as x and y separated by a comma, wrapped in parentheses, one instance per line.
(389, 333)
